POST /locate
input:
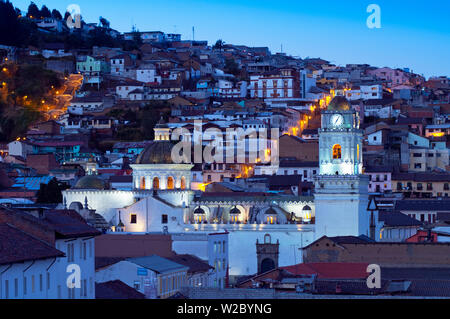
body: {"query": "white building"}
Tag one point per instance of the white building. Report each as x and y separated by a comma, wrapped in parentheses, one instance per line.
(123, 91)
(20, 148)
(212, 247)
(40, 263)
(163, 202)
(154, 276)
(31, 274)
(341, 196)
(275, 85)
(147, 74)
(81, 105)
(365, 92)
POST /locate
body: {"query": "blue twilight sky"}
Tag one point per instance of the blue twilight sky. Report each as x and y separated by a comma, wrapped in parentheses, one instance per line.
(414, 33)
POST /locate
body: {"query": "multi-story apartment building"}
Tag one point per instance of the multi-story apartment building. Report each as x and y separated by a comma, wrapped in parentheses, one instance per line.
(284, 83)
(365, 92)
(211, 247)
(421, 185)
(424, 159)
(92, 69)
(46, 252)
(380, 179)
(154, 276)
(26, 270)
(394, 76)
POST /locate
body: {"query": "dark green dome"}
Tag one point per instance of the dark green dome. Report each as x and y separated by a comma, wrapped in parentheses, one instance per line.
(158, 152)
(199, 211)
(235, 211)
(90, 182)
(339, 103)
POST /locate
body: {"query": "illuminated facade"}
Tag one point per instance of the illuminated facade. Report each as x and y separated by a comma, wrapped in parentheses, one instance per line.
(341, 197)
(162, 200)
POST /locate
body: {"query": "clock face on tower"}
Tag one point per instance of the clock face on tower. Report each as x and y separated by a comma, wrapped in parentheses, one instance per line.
(337, 120)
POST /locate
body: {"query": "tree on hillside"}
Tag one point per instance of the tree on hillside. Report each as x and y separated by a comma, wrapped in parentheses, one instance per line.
(45, 12)
(9, 24)
(33, 11)
(219, 45)
(56, 14)
(104, 23)
(51, 193)
(136, 36)
(231, 67)
(67, 15)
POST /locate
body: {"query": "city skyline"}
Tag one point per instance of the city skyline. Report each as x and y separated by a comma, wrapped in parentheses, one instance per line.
(414, 36)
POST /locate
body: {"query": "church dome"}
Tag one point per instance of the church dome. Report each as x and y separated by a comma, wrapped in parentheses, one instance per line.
(339, 103)
(271, 211)
(158, 152)
(199, 211)
(235, 211)
(90, 182)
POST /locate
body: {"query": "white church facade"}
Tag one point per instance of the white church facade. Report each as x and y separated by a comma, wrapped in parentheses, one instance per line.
(162, 200)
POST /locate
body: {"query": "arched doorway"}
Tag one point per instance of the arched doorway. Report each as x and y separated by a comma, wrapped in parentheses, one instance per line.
(267, 265)
(156, 183)
(170, 183)
(183, 183)
(143, 183)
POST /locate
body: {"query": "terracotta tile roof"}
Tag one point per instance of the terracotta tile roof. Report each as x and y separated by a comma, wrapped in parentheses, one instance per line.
(195, 264)
(330, 270)
(116, 290)
(351, 239)
(17, 246)
(423, 205)
(397, 219)
(102, 262)
(69, 224)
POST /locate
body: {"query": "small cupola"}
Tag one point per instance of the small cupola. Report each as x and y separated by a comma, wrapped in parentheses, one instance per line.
(162, 131)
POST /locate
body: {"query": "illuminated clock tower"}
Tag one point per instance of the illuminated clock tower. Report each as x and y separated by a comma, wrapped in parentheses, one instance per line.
(341, 190)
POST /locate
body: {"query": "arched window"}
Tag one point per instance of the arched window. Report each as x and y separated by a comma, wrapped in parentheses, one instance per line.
(271, 220)
(267, 265)
(183, 183)
(337, 151)
(142, 182)
(170, 183)
(267, 239)
(156, 183)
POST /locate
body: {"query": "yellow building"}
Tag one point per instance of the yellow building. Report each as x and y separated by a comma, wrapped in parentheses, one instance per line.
(421, 185)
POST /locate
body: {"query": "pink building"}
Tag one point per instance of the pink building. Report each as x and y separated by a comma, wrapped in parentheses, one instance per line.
(395, 76)
(380, 179)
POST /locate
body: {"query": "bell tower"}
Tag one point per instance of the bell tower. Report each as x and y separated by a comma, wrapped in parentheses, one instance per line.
(340, 140)
(341, 190)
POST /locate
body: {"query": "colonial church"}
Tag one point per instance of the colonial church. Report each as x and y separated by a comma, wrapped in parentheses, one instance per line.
(162, 201)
